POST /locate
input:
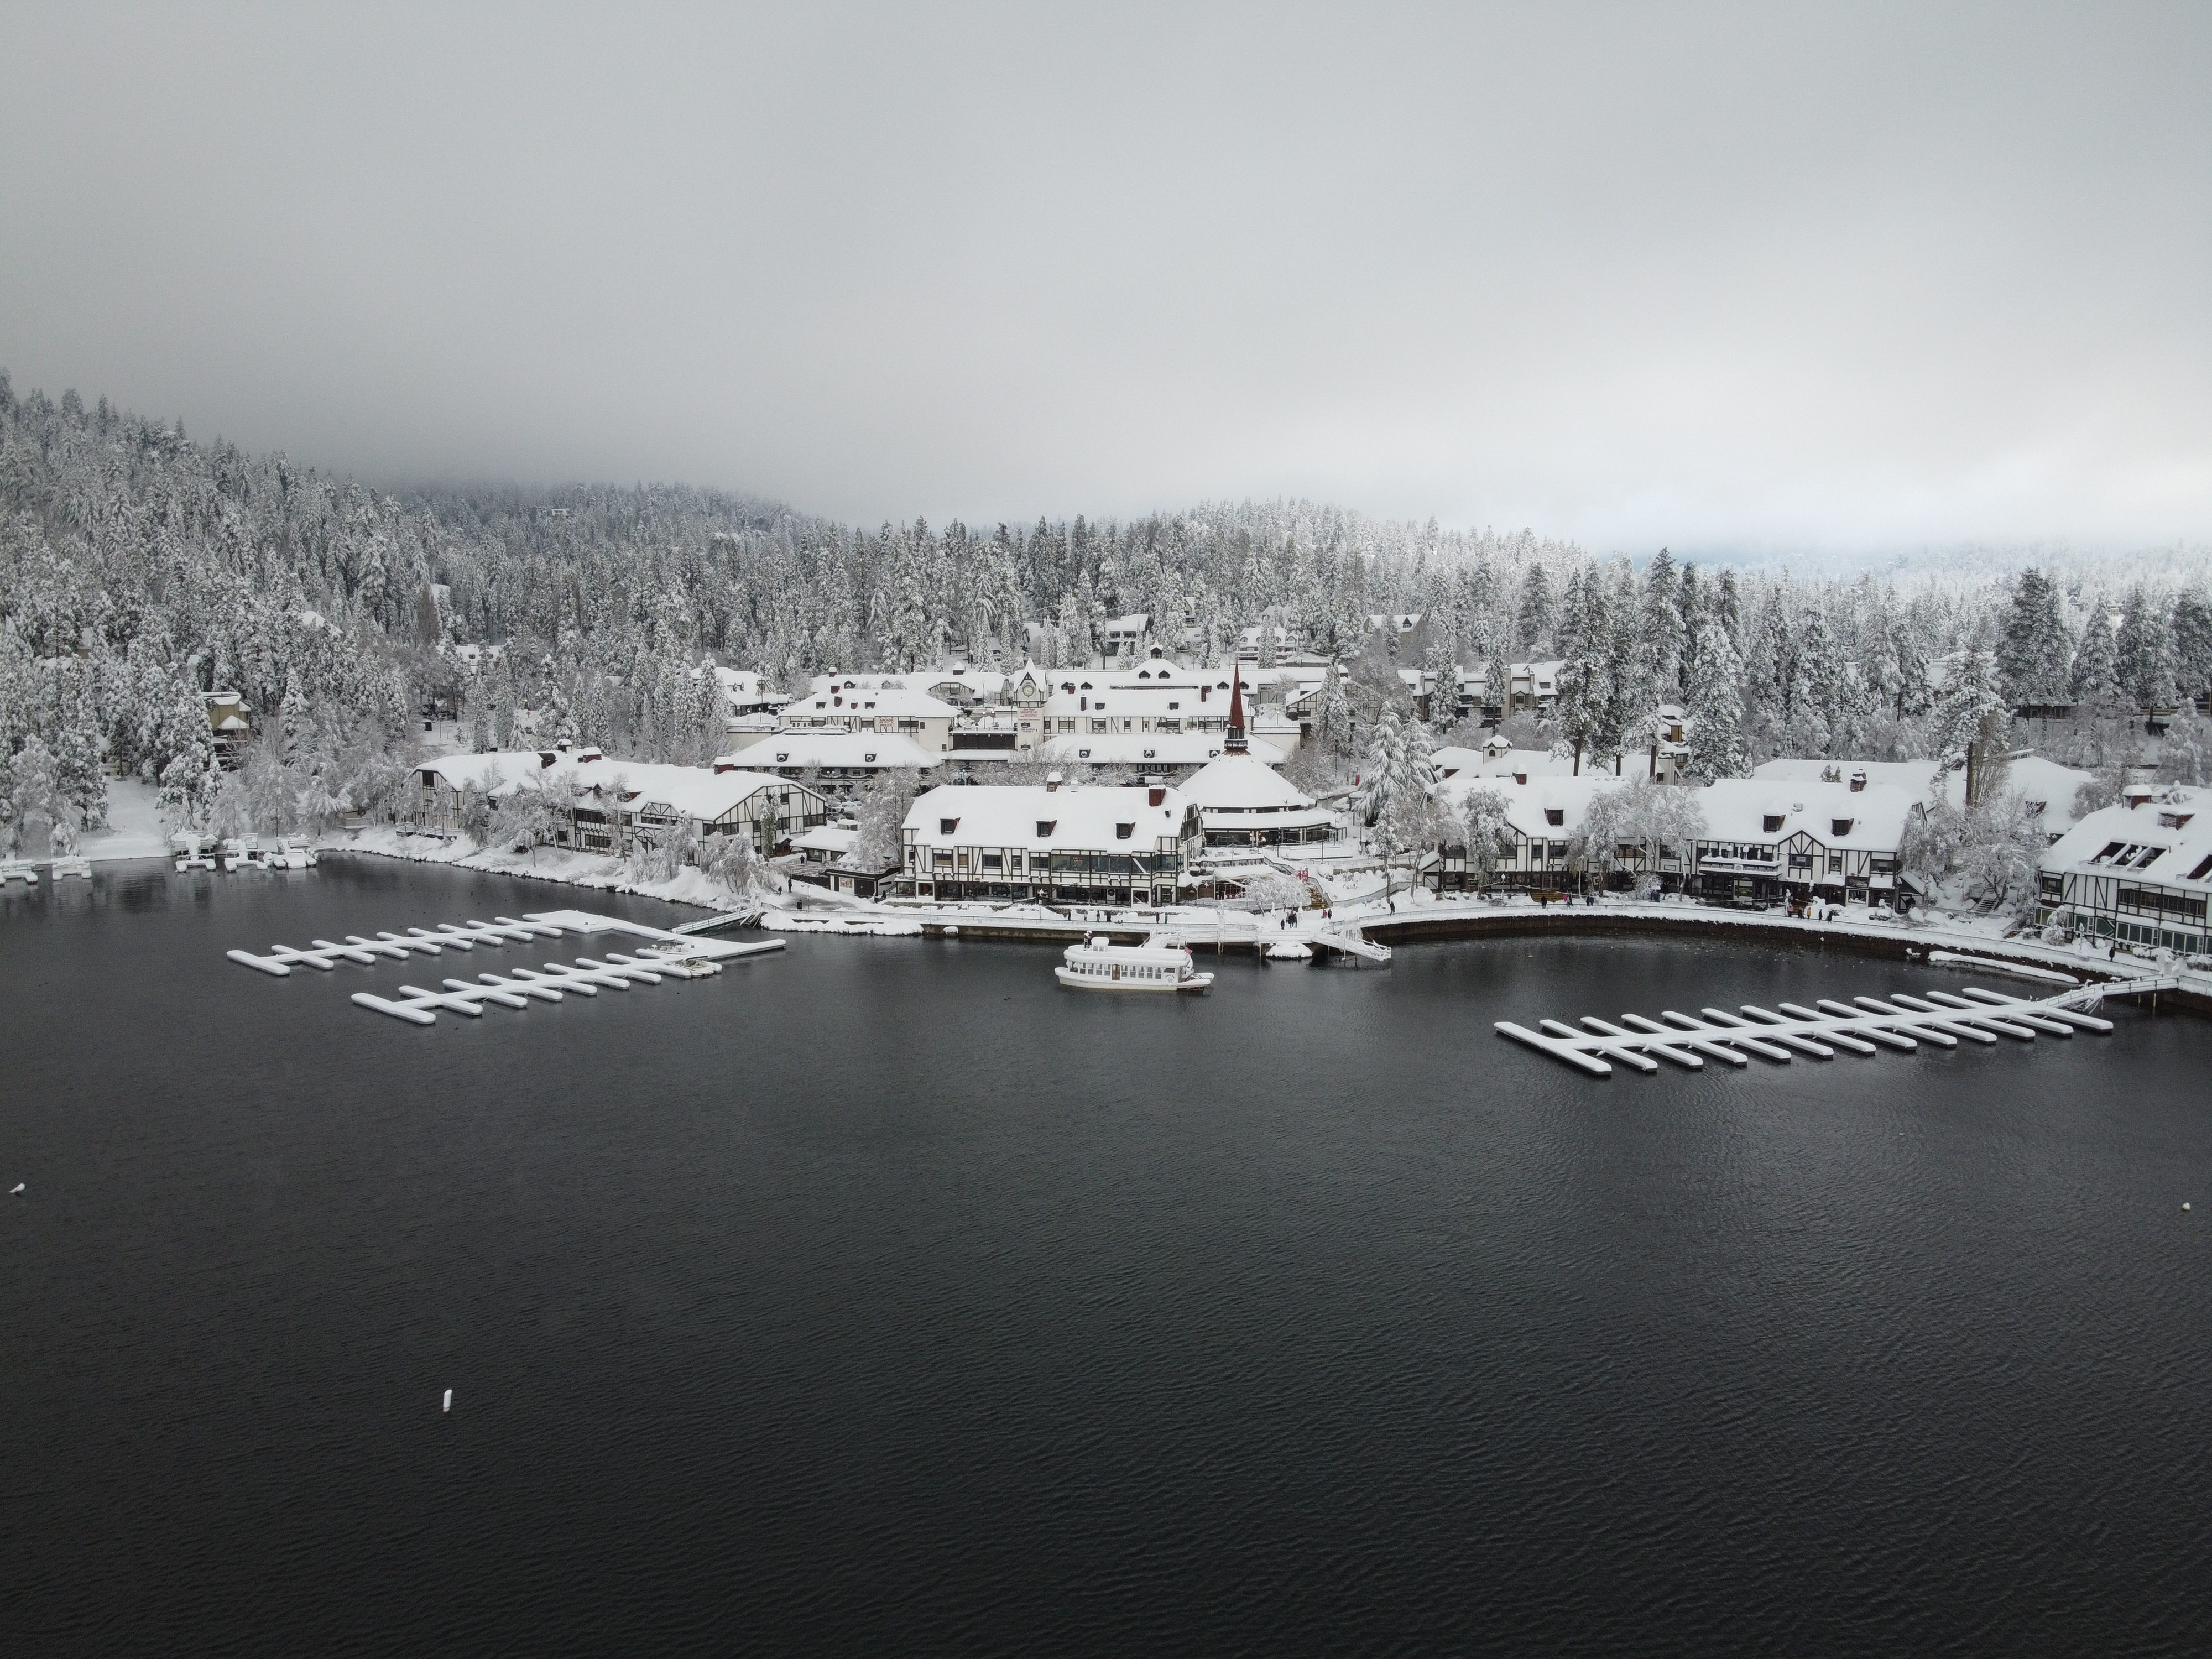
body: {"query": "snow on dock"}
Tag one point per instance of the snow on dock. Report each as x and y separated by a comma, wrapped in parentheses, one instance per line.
(1865, 1025)
(665, 955)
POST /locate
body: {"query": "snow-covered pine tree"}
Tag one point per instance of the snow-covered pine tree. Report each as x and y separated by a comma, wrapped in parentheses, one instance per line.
(2035, 651)
(2144, 648)
(1971, 716)
(1715, 722)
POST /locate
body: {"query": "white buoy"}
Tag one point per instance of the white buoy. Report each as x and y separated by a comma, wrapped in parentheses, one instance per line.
(18, 1188)
(449, 1400)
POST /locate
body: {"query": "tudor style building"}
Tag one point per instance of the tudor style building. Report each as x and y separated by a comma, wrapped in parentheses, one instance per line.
(1088, 845)
(2139, 873)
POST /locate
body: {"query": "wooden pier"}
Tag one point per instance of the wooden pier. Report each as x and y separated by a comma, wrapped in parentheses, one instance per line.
(663, 954)
(1790, 1031)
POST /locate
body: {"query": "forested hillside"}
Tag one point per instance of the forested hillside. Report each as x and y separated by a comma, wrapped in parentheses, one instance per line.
(140, 569)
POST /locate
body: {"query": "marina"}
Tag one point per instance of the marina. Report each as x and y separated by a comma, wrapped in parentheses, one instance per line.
(666, 954)
(1865, 1025)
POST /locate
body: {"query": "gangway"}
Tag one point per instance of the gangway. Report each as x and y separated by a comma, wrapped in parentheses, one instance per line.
(1865, 1025)
(1351, 944)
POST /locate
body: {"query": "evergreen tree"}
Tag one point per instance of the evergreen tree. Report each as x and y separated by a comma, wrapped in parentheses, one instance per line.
(1714, 714)
(1536, 622)
(2035, 652)
(2144, 649)
(2192, 642)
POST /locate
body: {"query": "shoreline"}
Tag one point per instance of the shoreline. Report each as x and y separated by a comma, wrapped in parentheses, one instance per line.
(1438, 920)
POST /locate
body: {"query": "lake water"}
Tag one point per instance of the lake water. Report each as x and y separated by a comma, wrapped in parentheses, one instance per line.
(879, 1296)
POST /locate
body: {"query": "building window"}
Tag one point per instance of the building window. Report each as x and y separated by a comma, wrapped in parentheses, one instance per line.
(1555, 816)
(1045, 827)
(1840, 827)
(1771, 823)
(946, 826)
(1123, 831)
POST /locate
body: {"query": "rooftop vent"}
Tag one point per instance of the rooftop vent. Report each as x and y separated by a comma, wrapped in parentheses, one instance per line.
(1051, 781)
(1858, 780)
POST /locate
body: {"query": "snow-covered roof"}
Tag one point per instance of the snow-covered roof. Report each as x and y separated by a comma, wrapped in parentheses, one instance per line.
(1149, 749)
(1454, 761)
(1011, 815)
(694, 792)
(867, 703)
(1239, 783)
(1739, 810)
(1736, 809)
(1527, 805)
(743, 687)
(849, 749)
(2031, 777)
(2164, 838)
(1186, 692)
(835, 839)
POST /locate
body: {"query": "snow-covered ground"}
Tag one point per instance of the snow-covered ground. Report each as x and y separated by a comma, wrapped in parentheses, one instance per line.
(134, 826)
(693, 886)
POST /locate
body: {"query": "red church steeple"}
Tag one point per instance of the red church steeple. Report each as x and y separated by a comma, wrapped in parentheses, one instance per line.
(1235, 746)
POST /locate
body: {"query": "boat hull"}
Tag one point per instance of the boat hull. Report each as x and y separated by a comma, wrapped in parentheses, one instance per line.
(1196, 985)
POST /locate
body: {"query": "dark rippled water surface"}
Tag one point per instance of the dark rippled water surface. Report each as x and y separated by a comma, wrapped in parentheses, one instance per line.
(881, 1297)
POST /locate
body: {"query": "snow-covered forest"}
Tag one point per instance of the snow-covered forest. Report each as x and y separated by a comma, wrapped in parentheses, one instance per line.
(140, 569)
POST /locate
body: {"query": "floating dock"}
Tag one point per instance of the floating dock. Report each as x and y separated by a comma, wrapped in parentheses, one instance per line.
(663, 954)
(1790, 1031)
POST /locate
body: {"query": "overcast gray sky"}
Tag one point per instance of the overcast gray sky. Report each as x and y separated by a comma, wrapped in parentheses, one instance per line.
(1718, 277)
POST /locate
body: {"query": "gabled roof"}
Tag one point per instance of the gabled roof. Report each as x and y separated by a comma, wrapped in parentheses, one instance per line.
(1148, 748)
(2165, 839)
(1009, 815)
(694, 792)
(2031, 777)
(1737, 809)
(1454, 761)
(867, 703)
(846, 749)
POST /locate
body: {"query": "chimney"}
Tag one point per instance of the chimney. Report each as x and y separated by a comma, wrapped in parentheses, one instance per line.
(1858, 780)
(1521, 777)
(1235, 746)
(1156, 797)
(1051, 781)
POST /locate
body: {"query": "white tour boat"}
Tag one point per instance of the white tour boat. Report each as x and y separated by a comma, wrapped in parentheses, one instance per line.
(1158, 965)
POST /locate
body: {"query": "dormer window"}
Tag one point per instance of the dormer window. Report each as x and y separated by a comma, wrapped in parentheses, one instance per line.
(1173, 706)
(1555, 816)
(1045, 827)
(946, 826)
(1123, 831)
(1840, 827)
(1770, 823)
